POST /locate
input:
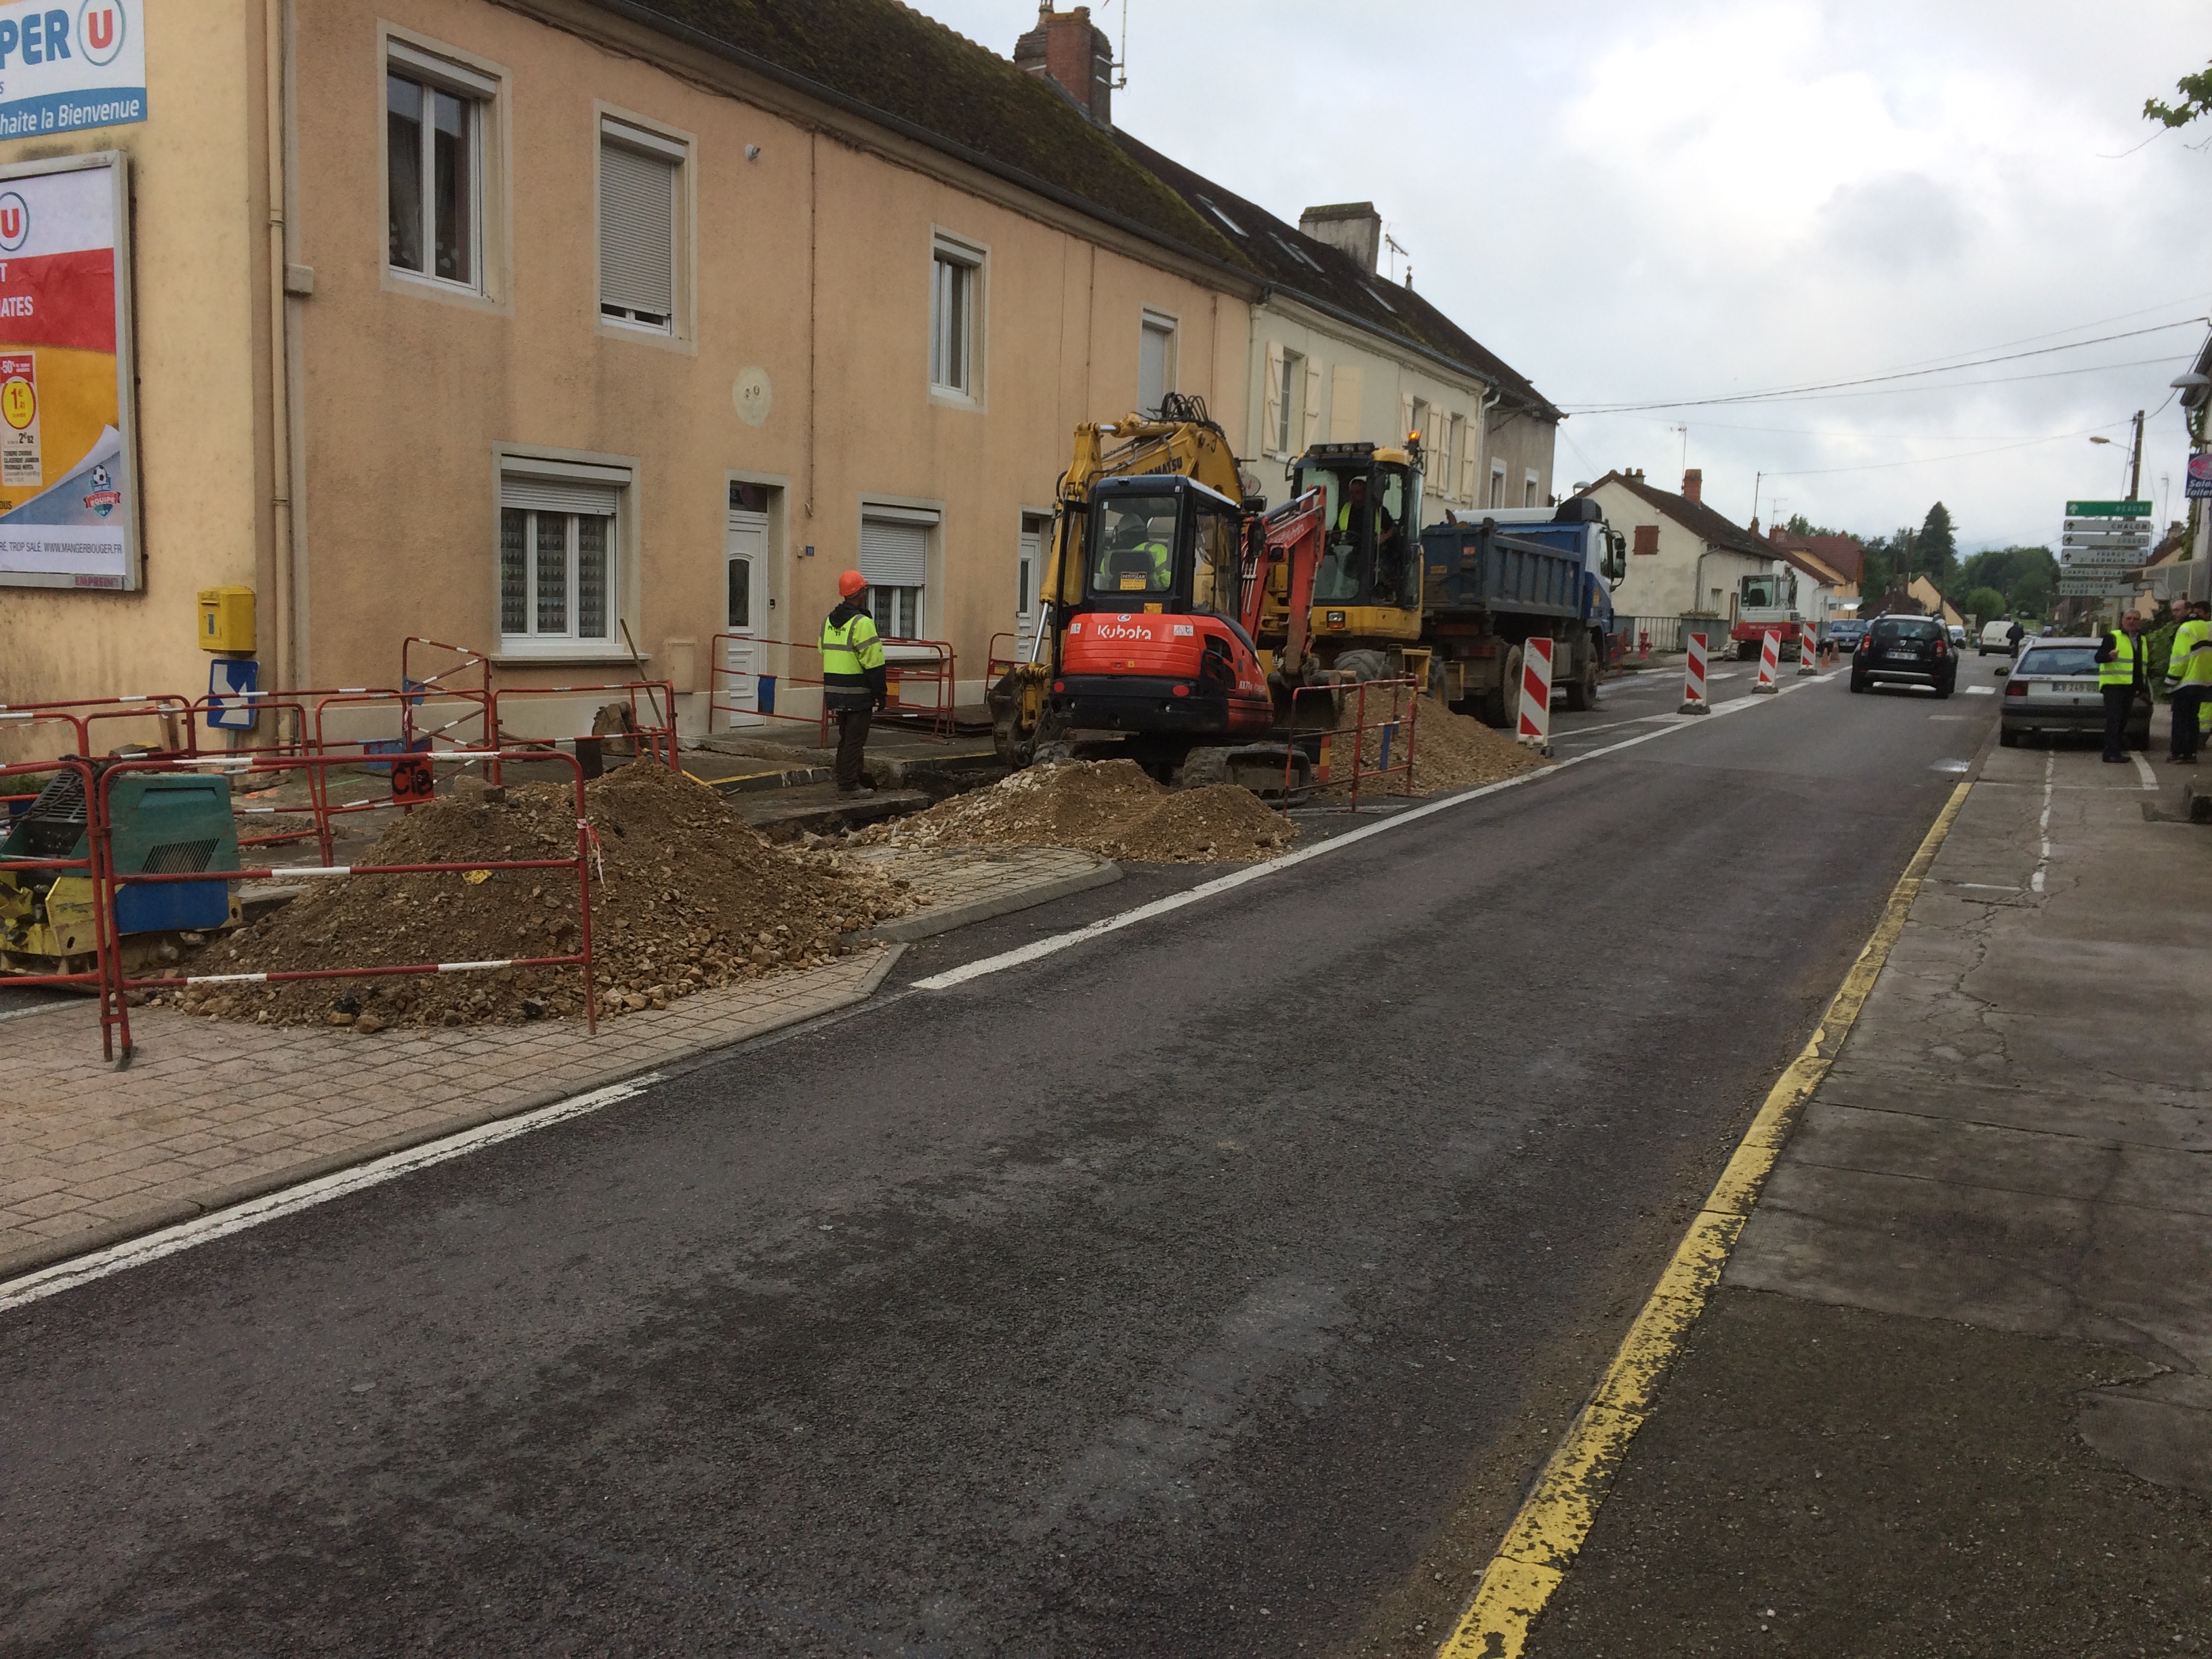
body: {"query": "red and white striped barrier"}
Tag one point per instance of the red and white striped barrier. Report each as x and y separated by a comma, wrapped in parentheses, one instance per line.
(1693, 683)
(1808, 651)
(1535, 726)
(1769, 660)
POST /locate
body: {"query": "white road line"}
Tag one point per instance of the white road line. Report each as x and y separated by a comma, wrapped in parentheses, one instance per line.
(2143, 768)
(2043, 823)
(1038, 949)
(202, 1230)
(1981, 690)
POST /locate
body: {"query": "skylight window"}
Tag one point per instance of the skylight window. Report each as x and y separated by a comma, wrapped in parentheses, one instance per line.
(1297, 252)
(1234, 228)
(1379, 299)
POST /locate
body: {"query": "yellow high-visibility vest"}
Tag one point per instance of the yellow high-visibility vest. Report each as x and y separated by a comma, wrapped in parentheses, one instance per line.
(2127, 654)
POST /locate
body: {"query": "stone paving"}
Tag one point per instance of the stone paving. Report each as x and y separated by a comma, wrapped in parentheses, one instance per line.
(949, 880)
(209, 1112)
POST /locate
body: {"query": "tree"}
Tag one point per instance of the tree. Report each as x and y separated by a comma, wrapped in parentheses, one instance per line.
(2031, 595)
(1936, 549)
(1874, 572)
(1983, 604)
(2024, 575)
(2196, 92)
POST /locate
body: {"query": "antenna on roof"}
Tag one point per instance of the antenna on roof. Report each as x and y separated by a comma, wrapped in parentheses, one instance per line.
(1390, 242)
(1120, 65)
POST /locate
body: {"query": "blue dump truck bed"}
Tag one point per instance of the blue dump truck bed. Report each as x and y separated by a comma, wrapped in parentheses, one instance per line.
(1525, 569)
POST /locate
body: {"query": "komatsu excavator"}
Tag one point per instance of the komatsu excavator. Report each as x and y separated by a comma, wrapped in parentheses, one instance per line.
(1183, 616)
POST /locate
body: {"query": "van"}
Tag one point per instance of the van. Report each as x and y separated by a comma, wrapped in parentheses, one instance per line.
(1997, 636)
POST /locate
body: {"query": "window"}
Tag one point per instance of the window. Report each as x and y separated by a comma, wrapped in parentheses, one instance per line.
(433, 148)
(557, 557)
(1497, 484)
(1282, 428)
(1156, 361)
(954, 274)
(895, 559)
(638, 176)
(1647, 538)
(1528, 490)
(1234, 228)
(1134, 545)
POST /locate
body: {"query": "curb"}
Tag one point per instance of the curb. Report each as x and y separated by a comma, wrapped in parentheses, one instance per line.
(907, 929)
(33, 1257)
(1546, 1536)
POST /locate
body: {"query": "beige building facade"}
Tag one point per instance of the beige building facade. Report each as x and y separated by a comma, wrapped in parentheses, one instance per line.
(570, 334)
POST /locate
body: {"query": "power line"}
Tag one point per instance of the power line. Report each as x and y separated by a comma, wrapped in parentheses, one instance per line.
(1788, 392)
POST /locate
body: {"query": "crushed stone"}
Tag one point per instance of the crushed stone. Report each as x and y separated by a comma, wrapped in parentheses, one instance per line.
(1110, 807)
(685, 896)
(1450, 751)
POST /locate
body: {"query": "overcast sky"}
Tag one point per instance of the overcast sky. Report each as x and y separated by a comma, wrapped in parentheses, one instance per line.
(1633, 202)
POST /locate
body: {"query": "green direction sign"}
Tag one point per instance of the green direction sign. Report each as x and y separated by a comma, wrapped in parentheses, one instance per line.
(2108, 509)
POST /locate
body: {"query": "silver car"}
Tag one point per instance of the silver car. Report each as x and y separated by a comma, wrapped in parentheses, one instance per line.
(2053, 688)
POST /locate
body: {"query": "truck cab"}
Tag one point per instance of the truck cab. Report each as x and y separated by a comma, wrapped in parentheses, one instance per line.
(1774, 601)
(1368, 588)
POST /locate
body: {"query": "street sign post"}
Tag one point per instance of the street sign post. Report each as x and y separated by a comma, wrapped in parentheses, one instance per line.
(2108, 509)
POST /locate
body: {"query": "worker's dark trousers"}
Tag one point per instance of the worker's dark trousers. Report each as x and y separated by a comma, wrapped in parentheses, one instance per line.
(2188, 730)
(852, 746)
(2119, 701)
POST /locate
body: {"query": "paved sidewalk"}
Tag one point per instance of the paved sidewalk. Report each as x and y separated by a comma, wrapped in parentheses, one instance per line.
(1955, 1393)
(210, 1112)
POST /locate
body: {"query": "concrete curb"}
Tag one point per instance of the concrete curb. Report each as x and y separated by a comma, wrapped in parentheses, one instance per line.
(32, 1257)
(906, 929)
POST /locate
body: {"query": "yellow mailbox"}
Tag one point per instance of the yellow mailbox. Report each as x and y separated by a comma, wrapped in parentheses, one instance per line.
(227, 619)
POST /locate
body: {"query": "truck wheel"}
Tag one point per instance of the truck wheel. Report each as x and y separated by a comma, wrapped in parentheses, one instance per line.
(1581, 691)
(1364, 664)
(1503, 709)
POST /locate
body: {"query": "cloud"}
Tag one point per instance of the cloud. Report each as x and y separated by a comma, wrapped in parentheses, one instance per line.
(1894, 226)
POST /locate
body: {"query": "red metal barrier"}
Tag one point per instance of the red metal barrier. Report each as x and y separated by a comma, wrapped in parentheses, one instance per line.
(115, 984)
(935, 718)
(105, 958)
(1401, 716)
(658, 732)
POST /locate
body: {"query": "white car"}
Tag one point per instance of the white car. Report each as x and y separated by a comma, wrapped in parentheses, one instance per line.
(1996, 636)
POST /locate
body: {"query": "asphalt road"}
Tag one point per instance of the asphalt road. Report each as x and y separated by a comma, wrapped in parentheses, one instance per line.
(1214, 1287)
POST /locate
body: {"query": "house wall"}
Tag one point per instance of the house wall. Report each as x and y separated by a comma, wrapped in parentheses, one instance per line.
(1522, 445)
(1684, 575)
(199, 266)
(1336, 357)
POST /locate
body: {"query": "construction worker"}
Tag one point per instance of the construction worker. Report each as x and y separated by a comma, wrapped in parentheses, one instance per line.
(2122, 675)
(853, 683)
(2190, 668)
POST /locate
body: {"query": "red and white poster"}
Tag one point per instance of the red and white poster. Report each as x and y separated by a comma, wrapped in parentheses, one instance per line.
(68, 494)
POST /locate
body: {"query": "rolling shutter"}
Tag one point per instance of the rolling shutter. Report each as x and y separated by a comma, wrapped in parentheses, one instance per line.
(637, 229)
(894, 553)
(559, 495)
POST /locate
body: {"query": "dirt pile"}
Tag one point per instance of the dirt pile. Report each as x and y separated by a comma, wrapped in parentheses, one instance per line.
(683, 896)
(1109, 807)
(1450, 751)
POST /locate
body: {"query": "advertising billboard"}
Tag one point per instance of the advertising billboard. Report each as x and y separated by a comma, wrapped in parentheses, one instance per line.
(64, 68)
(69, 478)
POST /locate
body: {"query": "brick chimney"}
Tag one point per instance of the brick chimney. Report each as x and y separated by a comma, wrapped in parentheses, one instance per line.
(1694, 484)
(1355, 227)
(1066, 49)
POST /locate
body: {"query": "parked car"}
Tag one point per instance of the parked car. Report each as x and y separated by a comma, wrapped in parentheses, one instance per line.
(1996, 636)
(1906, 651)
(2053, 688)
(1845, 633)
(1958, 637)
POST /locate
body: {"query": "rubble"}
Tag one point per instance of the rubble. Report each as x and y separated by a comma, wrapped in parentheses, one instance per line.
(1108, 807)
(685, 896)
(1450, 751)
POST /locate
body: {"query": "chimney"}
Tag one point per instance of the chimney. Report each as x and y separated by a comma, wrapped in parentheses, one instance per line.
(1066, 49)
(1355, 227)
(1694, 484)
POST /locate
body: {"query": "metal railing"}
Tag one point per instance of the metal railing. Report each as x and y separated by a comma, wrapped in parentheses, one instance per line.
(1329, 772)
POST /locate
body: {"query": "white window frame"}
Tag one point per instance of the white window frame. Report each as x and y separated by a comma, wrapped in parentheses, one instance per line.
(910, 615)
(626, 130)
(1532, 493)
(482, 84)
(951, 253)
(1290, 386)
(1167, 324)
(1497, 485)
(617, 473)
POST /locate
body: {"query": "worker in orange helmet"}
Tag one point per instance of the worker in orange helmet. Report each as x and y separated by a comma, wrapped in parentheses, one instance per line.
(853, 684)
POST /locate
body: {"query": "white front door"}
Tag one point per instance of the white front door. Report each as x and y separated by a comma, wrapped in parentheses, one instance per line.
(744, 557)
(1029, 565)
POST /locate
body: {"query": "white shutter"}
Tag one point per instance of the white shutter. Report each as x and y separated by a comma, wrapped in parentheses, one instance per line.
(1274, 417)
(1405, 418)
(637, 230)
(894, 555)
(559, 495)
(1313, 404)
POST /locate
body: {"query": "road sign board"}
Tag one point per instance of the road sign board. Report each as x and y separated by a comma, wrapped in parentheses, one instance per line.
(2088, 588)
(2104, 541)
(2099, 555)
(2106, 527)
(2108, 509)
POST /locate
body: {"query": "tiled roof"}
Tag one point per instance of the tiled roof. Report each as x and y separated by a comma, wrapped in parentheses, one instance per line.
(916, 74)
(1693, 516)
(1290, 260)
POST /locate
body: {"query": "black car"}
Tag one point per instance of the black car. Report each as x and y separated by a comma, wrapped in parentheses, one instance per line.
(1906, 651)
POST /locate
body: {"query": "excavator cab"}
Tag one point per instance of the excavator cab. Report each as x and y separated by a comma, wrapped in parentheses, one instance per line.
(1162, 544)
(1369, 583)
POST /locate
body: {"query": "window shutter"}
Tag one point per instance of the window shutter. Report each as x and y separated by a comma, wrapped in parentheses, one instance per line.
(1274, 417)
(1405, 418)
(559, 495)
(1313, 404)
(894, 555)
(1470, 465)
(637, 230)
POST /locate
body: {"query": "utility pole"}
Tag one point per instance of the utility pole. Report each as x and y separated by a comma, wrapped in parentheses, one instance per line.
(2135, 465)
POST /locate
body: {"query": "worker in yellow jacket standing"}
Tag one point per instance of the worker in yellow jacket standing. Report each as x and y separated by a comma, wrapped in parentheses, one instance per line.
(2190, 668)
(853, 683)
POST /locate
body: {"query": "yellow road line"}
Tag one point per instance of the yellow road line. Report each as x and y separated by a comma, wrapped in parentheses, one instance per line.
(1542, 1541)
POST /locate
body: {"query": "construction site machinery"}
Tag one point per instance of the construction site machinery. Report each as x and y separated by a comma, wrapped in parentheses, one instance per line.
(1493, 584)
(1364, 621)
(1776, 602)
(162, 824)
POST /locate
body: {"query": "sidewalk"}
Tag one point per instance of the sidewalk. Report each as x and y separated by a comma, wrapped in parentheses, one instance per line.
(1955, 1394)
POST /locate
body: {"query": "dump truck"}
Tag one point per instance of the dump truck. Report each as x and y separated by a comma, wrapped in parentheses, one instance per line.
(1777, 602)
(1491, 584)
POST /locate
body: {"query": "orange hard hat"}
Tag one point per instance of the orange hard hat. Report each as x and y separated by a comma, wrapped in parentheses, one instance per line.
(851, 582)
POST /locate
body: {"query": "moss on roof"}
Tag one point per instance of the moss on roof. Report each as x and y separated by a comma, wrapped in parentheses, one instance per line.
(893, 59)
